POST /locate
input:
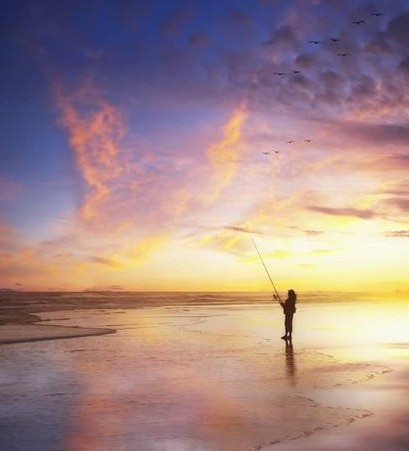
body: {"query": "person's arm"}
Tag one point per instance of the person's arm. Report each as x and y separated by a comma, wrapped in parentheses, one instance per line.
(277, 298)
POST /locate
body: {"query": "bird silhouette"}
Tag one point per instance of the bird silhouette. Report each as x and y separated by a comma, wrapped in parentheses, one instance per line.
(279, 73)
(358, 22)
(315, 42)
(266, 153)
(308, 140)
(377, 14)
(335, 39)
(290, 142)
(343, 54)
(296, 72)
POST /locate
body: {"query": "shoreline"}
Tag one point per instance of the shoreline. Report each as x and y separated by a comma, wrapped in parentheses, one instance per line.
(24, 326)
(27, 333)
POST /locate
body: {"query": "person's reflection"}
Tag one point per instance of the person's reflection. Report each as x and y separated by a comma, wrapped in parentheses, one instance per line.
(291, 368)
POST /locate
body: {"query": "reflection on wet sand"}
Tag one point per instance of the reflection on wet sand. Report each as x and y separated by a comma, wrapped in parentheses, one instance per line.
(291, 368)
(209, 378)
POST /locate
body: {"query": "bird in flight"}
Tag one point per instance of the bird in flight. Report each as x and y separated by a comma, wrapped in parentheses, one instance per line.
(266, 153)
(308, 140)
(296, 72)
(377, 14)
(358, 22)
(279, 73)
(335, 39)
(315, 42)
(290, 142)
(343, 54)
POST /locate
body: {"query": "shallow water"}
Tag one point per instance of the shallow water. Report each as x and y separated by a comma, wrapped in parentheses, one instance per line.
(200, 377)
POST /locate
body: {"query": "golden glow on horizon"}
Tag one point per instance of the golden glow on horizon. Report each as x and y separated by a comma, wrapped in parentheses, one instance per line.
(339, 244)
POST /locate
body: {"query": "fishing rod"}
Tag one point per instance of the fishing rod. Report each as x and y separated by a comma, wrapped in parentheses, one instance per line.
(276, 295)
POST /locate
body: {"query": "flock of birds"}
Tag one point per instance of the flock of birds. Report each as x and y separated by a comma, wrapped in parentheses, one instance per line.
(307, 140)
(344, 54)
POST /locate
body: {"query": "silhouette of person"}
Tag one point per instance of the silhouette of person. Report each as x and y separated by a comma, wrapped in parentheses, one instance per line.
(289, 309)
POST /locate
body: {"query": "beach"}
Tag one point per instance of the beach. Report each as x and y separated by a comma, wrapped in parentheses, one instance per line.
(201, 371)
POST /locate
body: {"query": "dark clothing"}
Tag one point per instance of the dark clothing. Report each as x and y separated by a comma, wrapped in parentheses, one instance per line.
(289, 306)
(289, 310)
(288, 322)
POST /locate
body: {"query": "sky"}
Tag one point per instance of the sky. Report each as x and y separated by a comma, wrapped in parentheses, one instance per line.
(145, 145)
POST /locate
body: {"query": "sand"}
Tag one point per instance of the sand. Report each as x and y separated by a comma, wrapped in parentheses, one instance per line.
(210, 377)
(19, 333)
(19, 315)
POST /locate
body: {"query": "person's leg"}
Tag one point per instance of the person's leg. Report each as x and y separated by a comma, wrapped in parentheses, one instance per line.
(289, 325)
(284, 337)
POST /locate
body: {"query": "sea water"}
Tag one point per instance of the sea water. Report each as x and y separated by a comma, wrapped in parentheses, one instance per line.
(207, 373)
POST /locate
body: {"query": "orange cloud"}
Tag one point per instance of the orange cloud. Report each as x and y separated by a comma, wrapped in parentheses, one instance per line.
(223, 155)
(96, 131)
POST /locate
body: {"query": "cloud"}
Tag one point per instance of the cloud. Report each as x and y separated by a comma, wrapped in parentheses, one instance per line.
(353, 212)
(144, 249)
(227, 149)
(398, 28)
(396, 189)
(227, 241)
(284, 38)
(106, 261)
(402, 204)
(397, 234)
(369, 133)
(96, 132)
(127, 179)
(238, 229)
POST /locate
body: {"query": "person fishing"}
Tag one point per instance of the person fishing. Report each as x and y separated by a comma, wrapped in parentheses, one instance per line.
(289, 309)
(288, 305)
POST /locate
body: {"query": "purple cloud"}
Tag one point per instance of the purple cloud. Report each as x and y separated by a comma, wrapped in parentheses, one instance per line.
(398, 28)
(402, 204)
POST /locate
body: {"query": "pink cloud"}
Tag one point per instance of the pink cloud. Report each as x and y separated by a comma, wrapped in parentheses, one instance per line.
(226, 150)
(353, 212)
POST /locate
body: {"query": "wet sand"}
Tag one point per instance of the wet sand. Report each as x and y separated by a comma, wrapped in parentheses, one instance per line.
(385, 428)
(19, 333)
(211, 377)
(19, 317)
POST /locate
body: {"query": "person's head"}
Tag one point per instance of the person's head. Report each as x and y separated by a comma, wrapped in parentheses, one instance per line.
(291, 294)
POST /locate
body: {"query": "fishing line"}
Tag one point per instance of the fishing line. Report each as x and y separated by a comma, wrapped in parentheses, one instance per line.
(276, 296)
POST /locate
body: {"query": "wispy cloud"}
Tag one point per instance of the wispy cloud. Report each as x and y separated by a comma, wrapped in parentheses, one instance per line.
(226, 150)
(352, 212)
(397, 234)
(96, 132)
(106, 261)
